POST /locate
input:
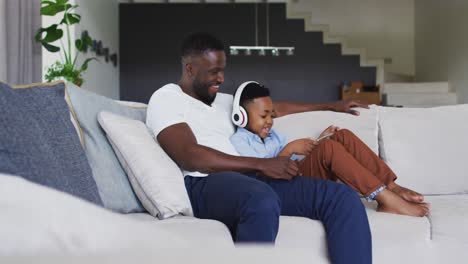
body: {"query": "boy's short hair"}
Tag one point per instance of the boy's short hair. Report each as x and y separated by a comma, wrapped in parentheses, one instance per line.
(198, 43)
(253, 91)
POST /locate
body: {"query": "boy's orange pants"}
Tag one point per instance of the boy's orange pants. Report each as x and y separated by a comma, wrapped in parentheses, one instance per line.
(346, 158)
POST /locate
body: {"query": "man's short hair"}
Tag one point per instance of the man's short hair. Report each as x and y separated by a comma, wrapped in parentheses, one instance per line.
(251, 92)
(198, 43)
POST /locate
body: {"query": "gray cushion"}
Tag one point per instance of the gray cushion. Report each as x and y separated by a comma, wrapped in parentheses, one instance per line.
(38, 141)
(111, 180)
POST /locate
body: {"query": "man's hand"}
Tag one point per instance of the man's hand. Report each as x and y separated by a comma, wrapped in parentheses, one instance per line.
(345, 106)
(279, 167)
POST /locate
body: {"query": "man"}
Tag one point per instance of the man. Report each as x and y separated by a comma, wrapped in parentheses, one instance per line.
(192, 124)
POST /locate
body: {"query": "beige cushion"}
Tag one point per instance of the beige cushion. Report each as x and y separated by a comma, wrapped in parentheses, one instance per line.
(155, 178)
(427, 147)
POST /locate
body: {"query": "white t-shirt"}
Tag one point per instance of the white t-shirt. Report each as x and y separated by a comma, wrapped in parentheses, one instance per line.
(211, 125)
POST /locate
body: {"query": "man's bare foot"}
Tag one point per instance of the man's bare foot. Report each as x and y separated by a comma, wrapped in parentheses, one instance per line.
(389, 202)
(405, 193)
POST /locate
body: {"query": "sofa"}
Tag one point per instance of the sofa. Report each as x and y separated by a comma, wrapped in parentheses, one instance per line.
(427, 148)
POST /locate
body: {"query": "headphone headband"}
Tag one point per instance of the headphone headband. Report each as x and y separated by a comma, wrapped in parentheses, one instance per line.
(239, 115)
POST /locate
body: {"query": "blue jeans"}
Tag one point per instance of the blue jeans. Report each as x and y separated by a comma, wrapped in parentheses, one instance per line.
(250, 207)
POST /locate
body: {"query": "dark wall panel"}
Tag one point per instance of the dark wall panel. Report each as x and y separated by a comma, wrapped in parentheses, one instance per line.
(151, 34)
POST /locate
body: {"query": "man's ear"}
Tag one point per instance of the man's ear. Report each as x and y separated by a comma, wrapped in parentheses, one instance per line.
(189, 69)
(188, 66)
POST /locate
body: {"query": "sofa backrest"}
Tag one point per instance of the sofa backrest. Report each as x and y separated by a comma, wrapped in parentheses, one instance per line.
(311, 124)
(426, 147)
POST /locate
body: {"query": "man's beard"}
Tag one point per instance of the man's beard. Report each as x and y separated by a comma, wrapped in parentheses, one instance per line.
(201, 90)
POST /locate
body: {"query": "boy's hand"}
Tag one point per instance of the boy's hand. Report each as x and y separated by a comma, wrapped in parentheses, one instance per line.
(328, 130)
(280, 167)
(302, 146)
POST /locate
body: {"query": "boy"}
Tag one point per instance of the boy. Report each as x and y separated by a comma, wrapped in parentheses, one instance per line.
(342, 156)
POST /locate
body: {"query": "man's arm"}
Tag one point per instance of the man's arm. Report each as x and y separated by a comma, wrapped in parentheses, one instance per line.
(181, 145)
(286, 108)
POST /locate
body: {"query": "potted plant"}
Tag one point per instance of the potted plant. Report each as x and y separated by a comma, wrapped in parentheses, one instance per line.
(66, 68)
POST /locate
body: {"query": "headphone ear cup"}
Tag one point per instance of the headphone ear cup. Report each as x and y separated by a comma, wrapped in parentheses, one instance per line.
(239, 115)
(236, 116)
(244, 118)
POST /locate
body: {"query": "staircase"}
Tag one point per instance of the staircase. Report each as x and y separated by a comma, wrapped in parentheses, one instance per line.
(398, 89)
(419, 94)
(329, 38)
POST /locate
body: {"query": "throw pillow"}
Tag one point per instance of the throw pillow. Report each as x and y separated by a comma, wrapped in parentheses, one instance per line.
(38, 141)
(111, 180)
(156, 179)
(427, 147)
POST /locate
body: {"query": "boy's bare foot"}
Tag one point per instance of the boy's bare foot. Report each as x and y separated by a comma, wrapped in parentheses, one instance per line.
(389, 202)
(405, 193)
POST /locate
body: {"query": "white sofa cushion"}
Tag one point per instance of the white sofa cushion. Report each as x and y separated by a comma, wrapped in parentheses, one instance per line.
(426, 147)
(301, 232)
(388, 231)
(37, 220)
(392, 229)
(156, 179)
(205, 232)
(311, 124)
(449, 216)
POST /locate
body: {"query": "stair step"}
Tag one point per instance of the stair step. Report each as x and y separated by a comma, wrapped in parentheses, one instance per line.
(391, 77)
(417, 87)
(296, 9)
(420, 99)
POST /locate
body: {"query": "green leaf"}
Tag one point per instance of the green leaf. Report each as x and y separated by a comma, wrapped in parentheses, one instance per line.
(84, 67)
(62, 2)
(87, 40)
(83, 44)
(50, 48)
(60, 71)
(72, 7)
(49, 8)
(79, 45)
(52, 34)
(70, 19)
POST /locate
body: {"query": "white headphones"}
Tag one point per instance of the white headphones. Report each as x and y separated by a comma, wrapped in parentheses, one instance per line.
(239, 115)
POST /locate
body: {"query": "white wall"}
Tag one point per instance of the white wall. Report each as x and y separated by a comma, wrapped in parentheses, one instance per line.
(442, 43)
(100, 19)
(384, 28)
(431, 40)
